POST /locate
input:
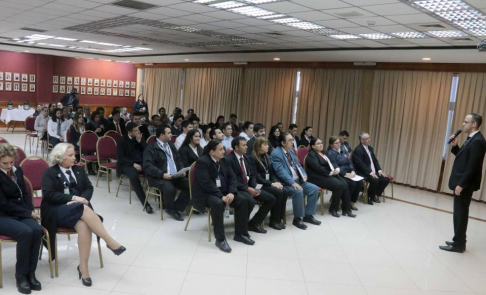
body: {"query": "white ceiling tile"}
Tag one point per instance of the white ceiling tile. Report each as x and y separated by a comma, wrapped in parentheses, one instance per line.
(368, 2)
(413, 18)
(169, 11)
(320, 38)
(348, 10)
(312, 16)
(395, 41)
(223, 15)
(15, 6)
(199, 18)
(379, 21)
(366, 43)
(253, 30)
(391, 9)
(115, 9)
(192, 7)
(477, 3)
(228, 24)
(278, 28)
(98, 13)
(300, 33)
(62, 7)
(148, 15)
(358, 30)
(179, 21)
(427, 42)
(79, 3)
(42, 10)
(391, 29)
(322, 4)
(337, 24)
(206, 27)
(252, 22)
(35, 3)
(285, 7)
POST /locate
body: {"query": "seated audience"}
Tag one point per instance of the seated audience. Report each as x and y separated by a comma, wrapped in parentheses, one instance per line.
(137, 119)
(40, 124)
(176, 111)
(216, 133)
(247, 132)
(346, 169)
(67, 116)
(186, 127)
(215, 187)
(190, 113)
(164, 119)
(191, 149)
(367, 166)
(160, 162)
(59, 105)
(129, 154)
(176, 128)
(38, 110)
(258, 131)
(140, 105)
(306, 136)
(152, 128)
(323, 171)
(103, 119)
(145, 119)
(79, 110)
(273, 136)
(294, 179)
(117, 123)
(67, 194)
(266, 177)
(125, 115)
(52, 109)
(76, 130)
(234, 123)
(219, 122)
(195, 123)
(87, 114)
(227, 138)
(293, 130)
(57, 127)
(343, 138)
(279, 126)
(96, 126)
(18, 219)
(205, 137)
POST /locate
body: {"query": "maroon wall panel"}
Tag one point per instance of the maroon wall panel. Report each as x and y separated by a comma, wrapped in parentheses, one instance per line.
(22, 63)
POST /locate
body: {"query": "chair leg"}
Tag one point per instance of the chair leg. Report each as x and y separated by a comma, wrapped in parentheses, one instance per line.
(188, 219)
(147, 193)
(119, 184)
(209, 225)
(101, 255)
(98, 177)
(129, 191)
(109, 179)
(322, 201)
(365, 193)
(160, 205)
(392, 187)
(47, 239)
(56, 258)
(1, 270)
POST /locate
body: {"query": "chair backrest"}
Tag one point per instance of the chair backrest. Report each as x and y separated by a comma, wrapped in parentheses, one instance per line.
(301, 153)
(3, 140)
(151, 139)
(235, 134)
(106, 148)
(68, 134)
(30, 188)
(113, 134)
(173, 139)
(33, 168)
(303, 164)
(192, 173)
(351, 155)
(228, 151)
(87, 142)
(30, 123)
(20, 153)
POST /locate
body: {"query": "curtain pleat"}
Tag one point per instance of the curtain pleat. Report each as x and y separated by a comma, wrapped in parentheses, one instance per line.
(162, 89)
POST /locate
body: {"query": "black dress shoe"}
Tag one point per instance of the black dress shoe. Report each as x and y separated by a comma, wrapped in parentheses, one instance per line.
(23, 285)
(174, 213)
(149, 209)
(349, 213)
(376, 200)
(34, 283)
(91, 172)
(452, 244)
(86, 282)
(453, 249)
(118, 251)
(283, 225)
(244, 239)
(276, 226)
(370, 201)
(257, 228)
(299, 223)
(310, 219)
(335, 214)
(353, 207)
(223, 246)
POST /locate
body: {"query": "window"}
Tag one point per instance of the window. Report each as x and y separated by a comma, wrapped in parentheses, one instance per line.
(296, 97)
(452, 105)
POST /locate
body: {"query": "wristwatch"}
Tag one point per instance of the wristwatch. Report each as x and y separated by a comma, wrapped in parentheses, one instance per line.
(72, 199)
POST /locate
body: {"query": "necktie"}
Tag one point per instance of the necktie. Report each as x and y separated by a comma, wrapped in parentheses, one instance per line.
(243, 171)
(371, 160)
(117, 128)
(58, 127)
(72, 181)
(172, 167)
(10, 174)
(289, 158)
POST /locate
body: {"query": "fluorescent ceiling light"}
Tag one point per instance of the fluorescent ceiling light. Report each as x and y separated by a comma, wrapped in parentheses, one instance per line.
(376, 36)
(260, 1)
(447, 34)
(65, 39)
(286, 20)
(276, 58)
(252, 11)
(409, 35)
(40, 36)
(442, 5)
(304, 26)
(88, 41)
(56, 45)
(272, 16)
(344, 37)
(204, 1)
(478, 32)
(426, 58)
(472, 24)
(325, 31)
(461, 15)
(227, 4)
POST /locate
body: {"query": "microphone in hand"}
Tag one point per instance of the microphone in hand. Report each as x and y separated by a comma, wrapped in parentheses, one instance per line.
(454, 136)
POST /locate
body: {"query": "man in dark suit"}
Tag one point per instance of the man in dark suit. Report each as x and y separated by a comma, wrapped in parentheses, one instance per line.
(367, 166)
(258, 130)
(137, 119)
(103, 120)
(160, 162)
(233, 122)
(129, 154)
(343, 138)
(293, 130)
(246, 183)
(117, 124)
(70, 98)
(465, 178)
(214, 186)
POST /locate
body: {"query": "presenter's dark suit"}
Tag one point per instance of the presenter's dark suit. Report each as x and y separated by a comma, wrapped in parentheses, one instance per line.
(267, 199)
(362, 164)
(467, 173)
(319, 170)
(155, 165)
(16, 221)
(206, 193)
(188, 156)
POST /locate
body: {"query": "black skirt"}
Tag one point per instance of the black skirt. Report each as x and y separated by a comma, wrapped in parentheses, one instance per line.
(69, 215)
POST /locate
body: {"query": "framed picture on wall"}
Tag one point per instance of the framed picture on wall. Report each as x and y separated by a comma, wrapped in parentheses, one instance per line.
(83, 81)
(108, 91)
(115, 92)
(96, 91)
(8, 86)
(90, 81)
(96, 82)
(108, 83)
(127, 92)
(102, 91)
(16, 77)
(62, 89)
(55, 88)
(120, 84)
(25, 87)
(1, 76)
(120, 92)
(102, 82)
(76, 81)
(16, 87)
(69, 88)
(83, 90)
(31, 87)
(69, 80)
(55, 79)
(115, 83)
(25, 78)
(90, 91)
(127, 84)
(8, 76)
(1, 86)
(32, 78)
(132, 93)
(134, 85)
(62, 80)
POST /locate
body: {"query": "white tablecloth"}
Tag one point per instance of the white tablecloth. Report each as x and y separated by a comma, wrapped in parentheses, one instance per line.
(15, 115)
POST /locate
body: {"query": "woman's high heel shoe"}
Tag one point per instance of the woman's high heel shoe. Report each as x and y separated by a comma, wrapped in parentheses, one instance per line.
(118, 251)
(86, 282)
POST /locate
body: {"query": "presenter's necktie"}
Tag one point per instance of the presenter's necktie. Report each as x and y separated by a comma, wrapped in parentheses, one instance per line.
(243, 171)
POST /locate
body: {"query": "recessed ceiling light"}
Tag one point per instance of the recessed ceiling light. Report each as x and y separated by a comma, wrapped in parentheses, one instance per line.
(260, 1)
(376, 36)
(344, 37)
(272, 16)
(461, 15)
(478, 32)
(426, 58)
(471, 24)
(276, 58)
(65, 39)
(227, 4)
(447, 34)
(186, 59)
(409, 35)
(305, 26)
(286, 20)
(442, 5)
(252, 11)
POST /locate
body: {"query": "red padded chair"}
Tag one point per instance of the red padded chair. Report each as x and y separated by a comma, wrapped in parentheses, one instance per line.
(173, 139)
(105, 151)
(36, 201)
(3, 140)
(301, 154)
(151, 139)
(33, 168)
(235, 134)
(20, 153)
(30, 132)
(112, 134)
(87, 145)
(228, 151)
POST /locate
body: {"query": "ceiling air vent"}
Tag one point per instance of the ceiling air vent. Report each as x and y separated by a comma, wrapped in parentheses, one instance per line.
(434, 26)
(462, 39)
(138, 5)
(275, 34)
(33, 30)
(349, 14)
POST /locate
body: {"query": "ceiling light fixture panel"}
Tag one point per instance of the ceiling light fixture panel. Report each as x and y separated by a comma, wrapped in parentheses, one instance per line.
(376, 36)
(478, 32)
(447, 34)
(260, 1)
(227, 5)
(345, 37)
(461, 15)
(325, 32)
(286, 20)
(272, 16)
(304, 26)
(472, 24)
(252, 11)
(409, 35)
(442, 5)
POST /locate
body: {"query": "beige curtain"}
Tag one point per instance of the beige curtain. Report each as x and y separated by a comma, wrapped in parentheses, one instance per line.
(267, 96)
(471, 98)
(408, 121)
(212, 92)
(162, 89)
(330, 101)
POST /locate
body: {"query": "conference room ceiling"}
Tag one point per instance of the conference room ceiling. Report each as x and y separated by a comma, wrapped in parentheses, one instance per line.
(247, 30)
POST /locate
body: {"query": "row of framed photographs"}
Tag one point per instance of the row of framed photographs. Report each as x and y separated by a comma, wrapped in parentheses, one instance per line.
(24, 87)
(95, 91)
(17, 77)
(93, 82)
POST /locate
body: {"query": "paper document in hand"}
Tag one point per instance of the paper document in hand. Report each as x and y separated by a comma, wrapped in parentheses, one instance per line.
(356, 178)
(181, 172)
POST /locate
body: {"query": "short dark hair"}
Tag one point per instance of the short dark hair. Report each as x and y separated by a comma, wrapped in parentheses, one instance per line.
(78, 107)
(205, 128)
(153, 117)
(213, 132)
(233, 116)
(138, 114)
(177, 117)
(247, 124)
(94, 114)
(54, 118)
(225, 125)
(477, 118)
(292, 126)
(282, 137)
(344, 133)
(257, 127)
(114, 112)
(236, 141)
(212, 145)
(190, 110)
(99, 109)
(130, 125)
(186, 123)
(161, 130)
(194, 118)
(162, 108)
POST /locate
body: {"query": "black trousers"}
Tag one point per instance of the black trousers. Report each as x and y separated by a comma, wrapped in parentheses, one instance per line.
(377, 185)
(53, 141)
(240, 204)
(28, 234)
(461, 217)
(339, 188)
(354, 188)
(278, 210)
(169, 192)
(267, 201)
(132, 174)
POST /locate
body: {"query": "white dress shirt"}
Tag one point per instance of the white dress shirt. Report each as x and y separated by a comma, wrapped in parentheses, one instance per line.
(246, 169)
(180, 140)
(244, 135)
(52, 128)
(227, 141)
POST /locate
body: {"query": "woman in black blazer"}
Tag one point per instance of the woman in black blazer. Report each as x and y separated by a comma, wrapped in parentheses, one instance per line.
(261, 163)
(323, 171)
(96, 124)
(76, 130)
(273, 136)
(306, 136)
(67, 193)
(190, 149)
(18, 220)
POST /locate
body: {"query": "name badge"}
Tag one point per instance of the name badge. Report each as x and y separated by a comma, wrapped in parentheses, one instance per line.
(66, 190)
(218, 182)
(258, 187)
(267, 176)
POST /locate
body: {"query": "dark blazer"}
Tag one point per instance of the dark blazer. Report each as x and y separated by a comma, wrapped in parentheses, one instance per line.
(235, 165)
(235, 128)
(204, 182)
(15, 203)
(250, 144)
(90, 126)
(296, 140)
(362, 163)
(348, 147)
(175, 131)
(261, 172)
(316, 167)
(303, 141)
(65, 100)
(144, 130)
(121, 123)
(125, 149)
(345, 164)
(273, 142)
(53, 196)
(188, 156)
(468, 164)
(138, 105)
(155, 162)
(74, 136)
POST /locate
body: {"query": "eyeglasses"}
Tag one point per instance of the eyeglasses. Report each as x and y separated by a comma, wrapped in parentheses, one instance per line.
(466, 122)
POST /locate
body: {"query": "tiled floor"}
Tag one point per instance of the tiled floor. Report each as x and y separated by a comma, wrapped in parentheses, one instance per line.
(390, 248)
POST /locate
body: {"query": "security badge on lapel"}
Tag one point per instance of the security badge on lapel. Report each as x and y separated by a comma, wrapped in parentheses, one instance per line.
(218, 182)
(267, 176)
